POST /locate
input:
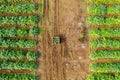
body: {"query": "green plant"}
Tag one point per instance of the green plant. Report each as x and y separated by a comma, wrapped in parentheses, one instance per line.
(4, 42)
(21, 65)
(18, 54)
(22, 32)
(20, 20)
(17, 8)
(34, 31)
(111, 43)
(113, 9)
(101, 21)
(103, 76)
(32, 55)
(7, 1)
(103, 54)
(103, 1)
(105, 67)
(97, 10)
(96, 20)
(101, 10)
(107, 32)
(18, 77)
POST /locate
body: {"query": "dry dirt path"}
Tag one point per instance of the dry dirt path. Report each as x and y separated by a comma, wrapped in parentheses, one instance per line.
(68, 60)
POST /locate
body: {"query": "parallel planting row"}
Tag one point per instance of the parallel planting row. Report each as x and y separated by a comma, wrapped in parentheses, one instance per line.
(104, 41)
(102, 10)
(20, 8)
(20, 20)
(21, 32)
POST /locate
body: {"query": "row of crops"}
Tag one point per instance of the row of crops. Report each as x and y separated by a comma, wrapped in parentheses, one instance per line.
(104, 39)
(20, 26)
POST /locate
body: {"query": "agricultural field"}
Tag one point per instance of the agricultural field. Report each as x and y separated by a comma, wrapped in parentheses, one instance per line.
(103, 20)
(59, 39)
(21, 24)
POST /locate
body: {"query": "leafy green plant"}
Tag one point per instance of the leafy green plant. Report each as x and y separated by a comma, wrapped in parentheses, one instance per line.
(103, 76)
(111, 43)
(18, 77)
(107, 32)
(21, 65)
(20, 20)
(18, 8)
(101, 10)
(22, 32)
(105, 67)
(32, 55)
(7, 1)
(101, 21)
(96, 20)
(97, 10)
(103, 1)
(113, 9)
(103, 54)
(4, 42)
(34, 31)
(18, 54)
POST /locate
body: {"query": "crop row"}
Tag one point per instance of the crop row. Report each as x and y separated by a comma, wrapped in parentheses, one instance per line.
(18, 54)
(18, 77)
(103, 1)
(111, 43)
(102, 10)
(7, 1)
(22, 32)
(4, 42)
(100, 20)
(103, 54)
(20, 20)
(108, 32)
(103, 76)
(113, 67)
(21, 65)
(20, 8)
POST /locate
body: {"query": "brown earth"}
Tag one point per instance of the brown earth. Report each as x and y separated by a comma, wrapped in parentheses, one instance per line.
(68, 60)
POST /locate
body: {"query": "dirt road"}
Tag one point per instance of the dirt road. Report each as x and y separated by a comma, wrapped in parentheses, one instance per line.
(68, 60)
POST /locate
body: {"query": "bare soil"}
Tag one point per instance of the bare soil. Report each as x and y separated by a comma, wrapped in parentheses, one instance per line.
(68, 60)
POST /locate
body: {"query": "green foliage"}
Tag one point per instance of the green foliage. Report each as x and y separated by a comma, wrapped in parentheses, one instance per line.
(22, 32)
(18, 77)
(20, 20)
(99, 20)
(11, 54)
(21, 65)
(108, 32)
(96, 10)
(111, 43)
(101, 10)
(96, 20)
(105, 67)
(18, 54)
(113, 9)
(34, 31)
(103, 76)
(18, 8)
(4, 42)
(102, 54)
(103, 1)
(7, 1)
(32, 55)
